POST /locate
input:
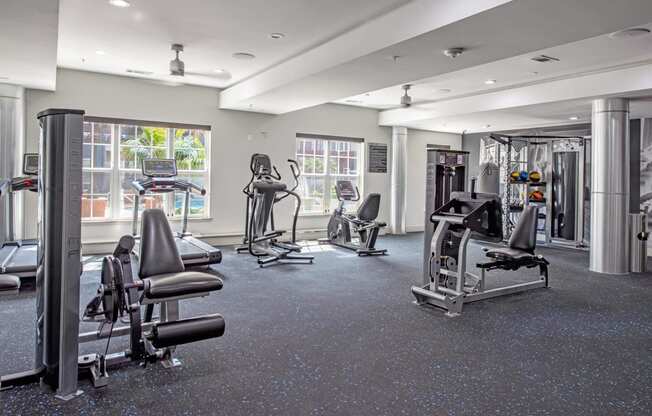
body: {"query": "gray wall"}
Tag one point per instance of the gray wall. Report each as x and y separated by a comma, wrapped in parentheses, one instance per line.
(235, 136)
(471, 144)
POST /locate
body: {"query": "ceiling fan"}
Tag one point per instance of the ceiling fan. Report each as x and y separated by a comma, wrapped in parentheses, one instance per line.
(177, 71)
(178, 67)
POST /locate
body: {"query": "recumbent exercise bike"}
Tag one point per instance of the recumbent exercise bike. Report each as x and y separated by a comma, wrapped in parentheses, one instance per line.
(363, 223)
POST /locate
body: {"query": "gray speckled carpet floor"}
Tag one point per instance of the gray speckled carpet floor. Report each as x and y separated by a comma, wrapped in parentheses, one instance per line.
(342, 337)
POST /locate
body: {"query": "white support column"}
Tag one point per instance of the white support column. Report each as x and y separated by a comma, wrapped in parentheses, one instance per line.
(610, 182)
(399, 180)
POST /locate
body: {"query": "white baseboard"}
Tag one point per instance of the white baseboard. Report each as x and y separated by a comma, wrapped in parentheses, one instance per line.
(104, 247)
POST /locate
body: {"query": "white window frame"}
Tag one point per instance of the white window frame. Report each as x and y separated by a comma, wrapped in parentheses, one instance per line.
(116, 170)
(329, 179)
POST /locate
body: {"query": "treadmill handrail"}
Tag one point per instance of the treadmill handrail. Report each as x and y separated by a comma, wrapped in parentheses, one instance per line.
(167, 185)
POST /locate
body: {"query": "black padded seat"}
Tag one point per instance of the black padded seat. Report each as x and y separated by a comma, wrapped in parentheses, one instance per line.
(508, 254)
(9, 283)
(180, 284)
(523, 241)
(161, 268)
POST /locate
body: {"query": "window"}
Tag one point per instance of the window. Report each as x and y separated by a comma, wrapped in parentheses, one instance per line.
(113, 155)
(323, 161)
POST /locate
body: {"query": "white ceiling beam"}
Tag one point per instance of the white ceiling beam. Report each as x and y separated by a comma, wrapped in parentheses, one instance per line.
(413, 19)
(618, 82)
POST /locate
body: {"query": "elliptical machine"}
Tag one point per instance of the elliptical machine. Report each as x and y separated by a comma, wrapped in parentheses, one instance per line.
(263, 192)
(363, 223)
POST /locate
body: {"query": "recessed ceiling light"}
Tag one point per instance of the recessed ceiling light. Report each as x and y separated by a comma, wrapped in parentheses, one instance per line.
(100, 52)
(220, 71)
(444, 90)
(573, 118)
(490, 81)
(245, 56)
(277, 35)
(630, 33)
(119, 3)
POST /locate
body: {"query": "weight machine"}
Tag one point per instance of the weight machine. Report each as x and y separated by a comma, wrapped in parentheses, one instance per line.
(162, 280)
(449, 285)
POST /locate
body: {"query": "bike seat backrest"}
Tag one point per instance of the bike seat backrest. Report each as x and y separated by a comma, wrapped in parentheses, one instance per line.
(524, 236)
(158, 250)
(368, 210)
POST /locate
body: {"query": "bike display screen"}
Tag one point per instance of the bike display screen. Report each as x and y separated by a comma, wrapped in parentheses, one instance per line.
(30, 163)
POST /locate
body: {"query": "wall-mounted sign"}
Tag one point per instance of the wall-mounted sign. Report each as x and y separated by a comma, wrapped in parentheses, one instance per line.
(377, 157)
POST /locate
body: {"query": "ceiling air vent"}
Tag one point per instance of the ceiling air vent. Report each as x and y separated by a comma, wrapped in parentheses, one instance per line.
(545, 58)
(139, 72)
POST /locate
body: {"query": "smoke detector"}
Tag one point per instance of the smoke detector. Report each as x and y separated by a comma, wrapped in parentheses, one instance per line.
(453, 52)
(177, 67)
(406, 100)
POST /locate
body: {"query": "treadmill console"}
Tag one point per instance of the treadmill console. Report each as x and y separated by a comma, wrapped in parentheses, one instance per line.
(30, 164)
(159, 168)
(346, 191)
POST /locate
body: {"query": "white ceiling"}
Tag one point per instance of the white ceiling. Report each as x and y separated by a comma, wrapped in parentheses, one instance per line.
(139, 37)
(599, 53)
(527, 117)
(28, 42)
(490, 34)
(342, 50)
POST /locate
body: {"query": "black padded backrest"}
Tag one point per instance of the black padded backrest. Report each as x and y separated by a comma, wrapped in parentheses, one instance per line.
(368, 210)
(524, 236)
(158, 250)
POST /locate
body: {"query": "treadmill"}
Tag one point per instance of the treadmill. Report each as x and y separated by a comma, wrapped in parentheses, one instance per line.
(18, 257)
(160, 177)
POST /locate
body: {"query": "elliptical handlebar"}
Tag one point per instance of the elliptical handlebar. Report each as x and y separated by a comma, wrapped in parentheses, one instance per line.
(296, 172)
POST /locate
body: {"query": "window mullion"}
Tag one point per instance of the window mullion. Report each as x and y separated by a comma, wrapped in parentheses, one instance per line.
(327, 179)
(170, 146)
(115, 173)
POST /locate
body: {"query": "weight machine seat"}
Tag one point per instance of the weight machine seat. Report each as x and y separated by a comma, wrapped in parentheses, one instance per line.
(9, 283)
(180, 284)
(368, 210)
(161, 267)
(523, 241)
